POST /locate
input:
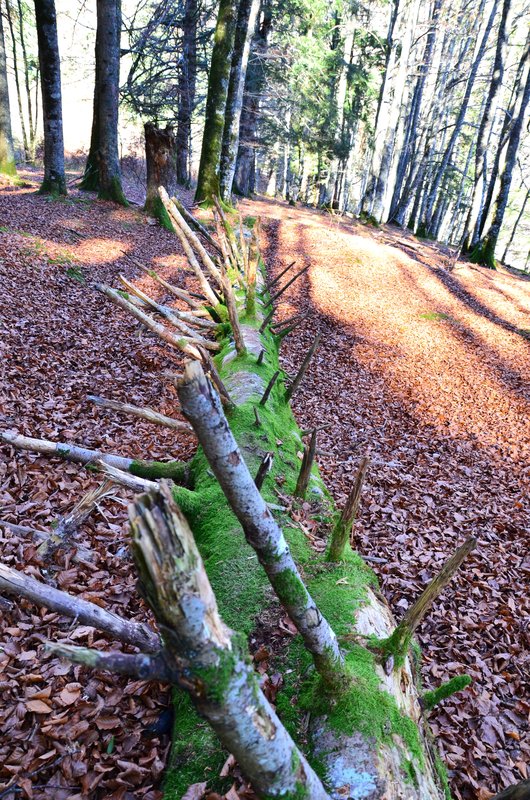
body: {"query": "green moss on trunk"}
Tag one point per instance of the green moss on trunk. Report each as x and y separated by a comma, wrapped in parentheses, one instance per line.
(113, 191)
(484, 253)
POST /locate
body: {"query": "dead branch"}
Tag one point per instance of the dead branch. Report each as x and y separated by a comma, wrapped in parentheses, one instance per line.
(342, 530)
(279, 293)
(137, 665)
(194, 241)
(213, 374)
(290, 391)
(181, 294)
(290, 328)
(230, 237)
(182, 343)
(190, 255)
(201, 406)
(399, 642)
(17, 583)
(307, 465)
(126, 479)
(266, 320)
(193, 222)
(268, 286)
(82, 455)
(269, 388)
(141, 411)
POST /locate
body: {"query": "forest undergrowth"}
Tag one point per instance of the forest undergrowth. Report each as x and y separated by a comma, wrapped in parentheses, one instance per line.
(421, 368)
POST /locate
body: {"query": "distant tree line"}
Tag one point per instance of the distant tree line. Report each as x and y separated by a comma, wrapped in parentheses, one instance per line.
(414, 113)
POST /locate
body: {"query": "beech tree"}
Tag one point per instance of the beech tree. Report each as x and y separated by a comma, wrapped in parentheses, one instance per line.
(50, 69)
(208, 180)
(7, 151)
(102, 170)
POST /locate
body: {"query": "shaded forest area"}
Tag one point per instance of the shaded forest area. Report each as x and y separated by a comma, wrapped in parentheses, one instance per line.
(264, 401)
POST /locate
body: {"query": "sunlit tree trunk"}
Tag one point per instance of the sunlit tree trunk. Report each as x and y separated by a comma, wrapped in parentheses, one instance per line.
(208, 179)
(515, 226)
(484, 251)
(480, 185)
(50, 68)
(7, 152)
(186, 89)
(11, 23)
(244, 177)
(246, 22)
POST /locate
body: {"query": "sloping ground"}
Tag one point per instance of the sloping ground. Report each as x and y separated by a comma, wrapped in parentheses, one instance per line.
(427, 372)
(65, 732)
(423, 369)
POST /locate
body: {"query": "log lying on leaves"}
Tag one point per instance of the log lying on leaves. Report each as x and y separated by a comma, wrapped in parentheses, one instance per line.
(367, 727)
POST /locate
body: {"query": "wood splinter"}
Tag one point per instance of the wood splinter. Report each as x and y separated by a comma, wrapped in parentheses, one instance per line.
(263, 469)
(342, 530)
(307, 464)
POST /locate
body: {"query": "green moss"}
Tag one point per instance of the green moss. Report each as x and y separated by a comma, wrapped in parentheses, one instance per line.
(113, 192)
(484, 253)
(364, 706)
(217, 678)
(456, 684)
(158, 210)
(435, 316)
(173, 470)
(55, 187)
(443, 777)
(290, 588)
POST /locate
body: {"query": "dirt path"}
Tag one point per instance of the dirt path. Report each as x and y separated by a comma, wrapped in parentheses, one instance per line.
(424, 370)
(428, 373)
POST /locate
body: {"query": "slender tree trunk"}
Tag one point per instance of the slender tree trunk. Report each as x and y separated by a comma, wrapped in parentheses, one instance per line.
(212, 140)
(32, 118)
(485, 124)
(10, 21)
(186, 90)
(484, 252)
(7, 151)
(244, 177)
(50, 68)
(246, 22)
(433, 192)
(516, 224)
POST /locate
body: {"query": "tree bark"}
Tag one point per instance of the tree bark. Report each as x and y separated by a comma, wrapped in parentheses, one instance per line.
(161, 160)
(7, 151)
(246, 22)
(186, 92)
(54, 182)
(244, 176)
(208, 179)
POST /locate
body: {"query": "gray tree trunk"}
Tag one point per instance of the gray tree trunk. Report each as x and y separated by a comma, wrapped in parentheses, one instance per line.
(103, 164)
(246, 22)
(50, 68)
(186, 89)
(7, 152)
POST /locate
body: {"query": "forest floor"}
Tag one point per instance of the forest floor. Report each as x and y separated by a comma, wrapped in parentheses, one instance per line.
(423, 369)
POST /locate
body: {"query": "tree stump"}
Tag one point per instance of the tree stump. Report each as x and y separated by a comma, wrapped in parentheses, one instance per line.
(161, 165)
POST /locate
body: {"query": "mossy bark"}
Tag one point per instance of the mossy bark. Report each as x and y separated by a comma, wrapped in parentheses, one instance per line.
(377, 723)
(212, 140)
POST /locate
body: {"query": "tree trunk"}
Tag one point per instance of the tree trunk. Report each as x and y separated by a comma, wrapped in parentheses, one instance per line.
(515, 226)
(161, 160)
(208, 179)
(186, 91)
(486, 120)
(102, 171)
(7, 151)
(484, 252)
(246, 22)
(440, 172)
(54, 182)
(245, 169)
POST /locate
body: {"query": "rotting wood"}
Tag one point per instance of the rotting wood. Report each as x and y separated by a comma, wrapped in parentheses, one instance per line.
(308, 459)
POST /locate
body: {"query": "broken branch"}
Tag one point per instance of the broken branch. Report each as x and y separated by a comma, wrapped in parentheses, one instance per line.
(342, 530)
(142, 412)
(303, 368)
